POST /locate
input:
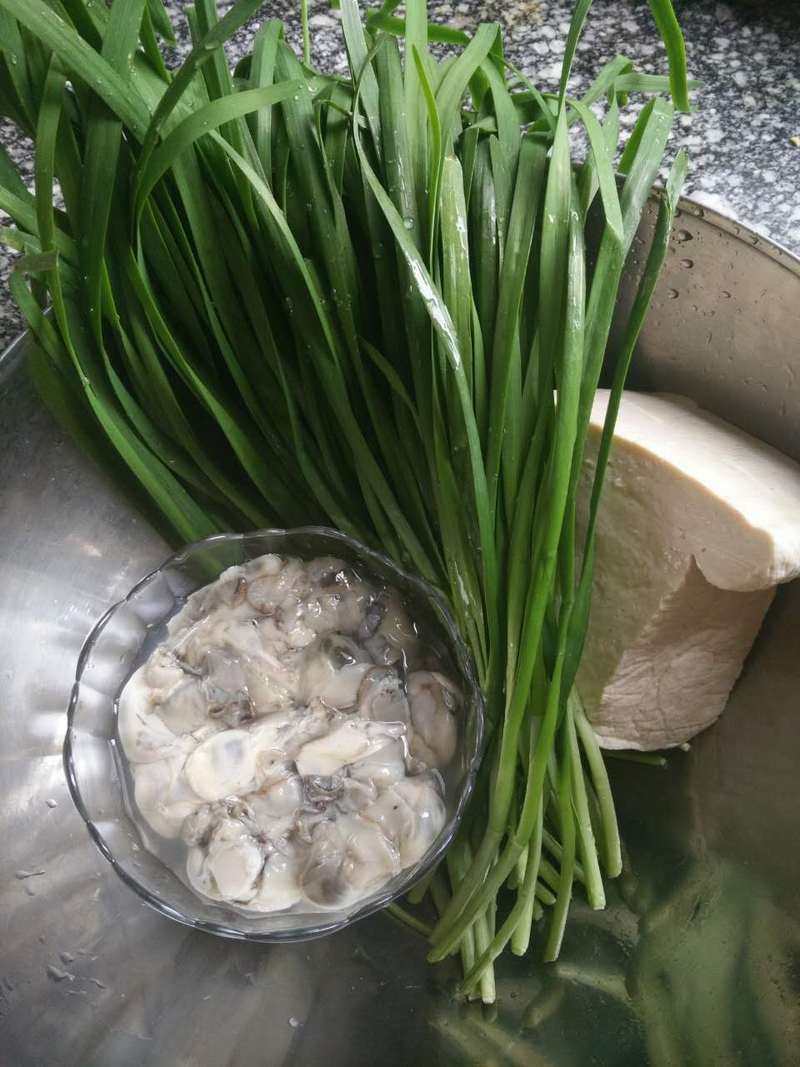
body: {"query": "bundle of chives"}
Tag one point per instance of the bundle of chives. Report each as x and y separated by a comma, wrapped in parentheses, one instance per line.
(281, 296)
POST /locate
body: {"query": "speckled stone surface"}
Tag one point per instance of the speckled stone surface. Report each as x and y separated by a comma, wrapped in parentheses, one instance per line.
(747, 56)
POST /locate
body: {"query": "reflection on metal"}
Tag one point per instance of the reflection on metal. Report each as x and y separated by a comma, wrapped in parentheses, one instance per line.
(694, 963)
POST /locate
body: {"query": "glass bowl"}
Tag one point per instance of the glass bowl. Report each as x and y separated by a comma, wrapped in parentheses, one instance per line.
(122, 640)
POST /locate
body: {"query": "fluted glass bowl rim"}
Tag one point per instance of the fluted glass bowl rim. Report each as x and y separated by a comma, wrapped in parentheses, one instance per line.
(463, 661)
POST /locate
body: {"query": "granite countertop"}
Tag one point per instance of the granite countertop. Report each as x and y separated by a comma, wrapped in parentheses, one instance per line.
(744, 139)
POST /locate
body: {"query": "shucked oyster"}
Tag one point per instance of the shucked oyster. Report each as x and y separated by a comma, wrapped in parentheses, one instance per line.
(232, 859)
(410, 814)
(163, 794)
(434, 701)
(285, 733)
(388, 633)
(224, 765)
(333, 669)
(347, 859)
(354, 740)
(228, 865)
(382, 696)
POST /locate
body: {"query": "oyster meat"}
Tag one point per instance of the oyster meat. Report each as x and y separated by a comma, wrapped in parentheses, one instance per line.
(285, 735)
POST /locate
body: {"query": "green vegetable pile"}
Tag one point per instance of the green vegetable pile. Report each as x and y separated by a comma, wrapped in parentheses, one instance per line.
(280, 296)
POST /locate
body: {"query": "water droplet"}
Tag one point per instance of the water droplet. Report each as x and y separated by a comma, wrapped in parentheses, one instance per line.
(294, 1023)
(687, 264)
(51, 803)
(683, 236)
(672, 294)
(408, 222)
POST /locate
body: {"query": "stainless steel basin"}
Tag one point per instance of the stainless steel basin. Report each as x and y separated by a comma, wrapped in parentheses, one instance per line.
(696, 960)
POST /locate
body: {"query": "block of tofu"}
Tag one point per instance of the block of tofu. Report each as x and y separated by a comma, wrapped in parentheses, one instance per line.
(697, 525)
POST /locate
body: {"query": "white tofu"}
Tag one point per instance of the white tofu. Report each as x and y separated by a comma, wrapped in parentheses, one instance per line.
(698, 523)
